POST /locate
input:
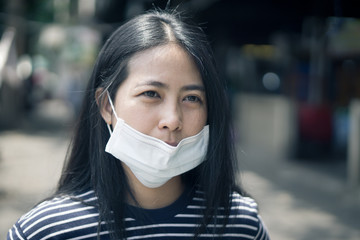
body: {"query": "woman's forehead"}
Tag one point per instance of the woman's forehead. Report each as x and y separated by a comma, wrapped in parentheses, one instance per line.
(165, 61)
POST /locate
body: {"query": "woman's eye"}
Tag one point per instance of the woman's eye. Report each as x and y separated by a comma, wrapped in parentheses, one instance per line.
(192, 99)
(151, 94)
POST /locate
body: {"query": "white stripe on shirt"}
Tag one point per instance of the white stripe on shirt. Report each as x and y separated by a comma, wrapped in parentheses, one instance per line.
(62, 222)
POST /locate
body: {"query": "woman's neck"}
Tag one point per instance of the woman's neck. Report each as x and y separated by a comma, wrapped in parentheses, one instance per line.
(152, 198)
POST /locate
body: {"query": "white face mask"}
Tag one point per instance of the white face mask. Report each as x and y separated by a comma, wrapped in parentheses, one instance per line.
(153, 161)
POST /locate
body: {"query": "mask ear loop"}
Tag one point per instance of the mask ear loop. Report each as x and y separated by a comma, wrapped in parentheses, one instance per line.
(113, 109)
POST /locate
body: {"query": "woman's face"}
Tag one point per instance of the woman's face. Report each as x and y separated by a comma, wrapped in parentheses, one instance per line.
(163, 95)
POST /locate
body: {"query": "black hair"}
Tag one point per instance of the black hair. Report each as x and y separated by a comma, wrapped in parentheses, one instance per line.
(88, 166)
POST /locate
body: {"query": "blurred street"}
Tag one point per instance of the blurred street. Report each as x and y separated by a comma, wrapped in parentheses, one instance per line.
(299, 200)
(303, 200)
(31, 159)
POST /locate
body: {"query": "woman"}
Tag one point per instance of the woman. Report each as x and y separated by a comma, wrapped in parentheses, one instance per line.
(152, 156)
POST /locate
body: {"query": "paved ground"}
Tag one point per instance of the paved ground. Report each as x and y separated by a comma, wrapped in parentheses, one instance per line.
(304, 201)
(298, 200)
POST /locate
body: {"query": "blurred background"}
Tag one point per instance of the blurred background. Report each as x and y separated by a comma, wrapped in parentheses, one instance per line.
(293, 71)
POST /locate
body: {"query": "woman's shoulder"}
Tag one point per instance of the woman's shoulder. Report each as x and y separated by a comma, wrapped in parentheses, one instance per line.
(59, 215)
(243, 204)
(245, 211)
(244, 208)
(244, 220)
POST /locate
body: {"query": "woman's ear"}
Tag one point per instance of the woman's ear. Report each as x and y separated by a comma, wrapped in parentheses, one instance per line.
(103, 103)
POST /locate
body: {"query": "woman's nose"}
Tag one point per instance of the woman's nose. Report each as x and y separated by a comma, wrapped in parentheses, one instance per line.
(171, 118)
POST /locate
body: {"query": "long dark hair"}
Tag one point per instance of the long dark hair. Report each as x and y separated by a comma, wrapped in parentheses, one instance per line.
(88, 166)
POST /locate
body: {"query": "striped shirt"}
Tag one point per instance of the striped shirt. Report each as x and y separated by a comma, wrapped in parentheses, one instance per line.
(65, 218)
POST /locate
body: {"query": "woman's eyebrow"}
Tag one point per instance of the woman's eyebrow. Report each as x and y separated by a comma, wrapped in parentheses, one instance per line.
(158, 84)
(193, 87)
(152, 83)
